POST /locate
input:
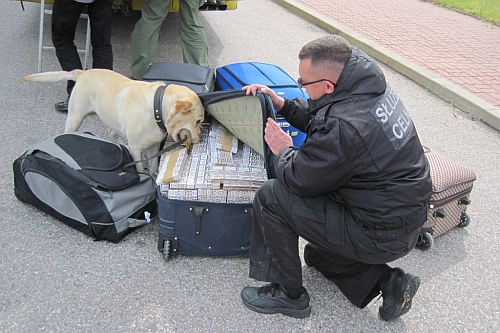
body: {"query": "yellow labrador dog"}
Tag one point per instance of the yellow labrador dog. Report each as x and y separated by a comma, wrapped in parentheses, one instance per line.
(126, 107)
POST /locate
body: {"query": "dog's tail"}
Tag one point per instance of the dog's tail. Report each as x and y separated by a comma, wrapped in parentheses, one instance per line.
(53, 76)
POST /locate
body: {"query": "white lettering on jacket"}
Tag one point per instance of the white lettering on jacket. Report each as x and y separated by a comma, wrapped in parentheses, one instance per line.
(394, 118)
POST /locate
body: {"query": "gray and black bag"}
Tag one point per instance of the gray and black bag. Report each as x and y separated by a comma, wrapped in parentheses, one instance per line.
(88, 183)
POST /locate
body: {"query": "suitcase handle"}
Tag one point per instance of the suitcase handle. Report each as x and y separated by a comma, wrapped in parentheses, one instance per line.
(198, 211)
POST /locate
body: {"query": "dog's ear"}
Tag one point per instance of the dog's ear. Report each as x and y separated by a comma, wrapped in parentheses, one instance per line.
(183, 106)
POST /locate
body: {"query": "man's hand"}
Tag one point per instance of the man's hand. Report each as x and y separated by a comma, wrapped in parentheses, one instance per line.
(275, 137)
(278, 102)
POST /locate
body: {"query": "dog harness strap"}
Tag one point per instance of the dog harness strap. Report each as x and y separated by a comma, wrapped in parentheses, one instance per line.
(158, 106)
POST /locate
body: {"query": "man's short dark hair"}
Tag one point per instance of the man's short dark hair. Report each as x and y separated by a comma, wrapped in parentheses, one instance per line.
(328, 54)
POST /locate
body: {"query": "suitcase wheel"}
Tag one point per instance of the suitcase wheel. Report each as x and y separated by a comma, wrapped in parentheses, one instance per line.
(425, 241)
(167, 249)
(464, 220)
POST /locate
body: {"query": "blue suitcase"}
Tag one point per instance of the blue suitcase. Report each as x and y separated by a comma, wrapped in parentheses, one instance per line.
(209, 228)
(237, 75)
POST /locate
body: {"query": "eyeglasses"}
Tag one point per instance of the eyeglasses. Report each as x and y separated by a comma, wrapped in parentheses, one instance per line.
(301, 83)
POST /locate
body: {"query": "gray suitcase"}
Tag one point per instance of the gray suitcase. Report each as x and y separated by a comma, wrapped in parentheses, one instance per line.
(451, 188)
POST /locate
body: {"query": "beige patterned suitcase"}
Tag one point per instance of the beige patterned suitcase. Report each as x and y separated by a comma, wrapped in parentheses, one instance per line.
(451, 188)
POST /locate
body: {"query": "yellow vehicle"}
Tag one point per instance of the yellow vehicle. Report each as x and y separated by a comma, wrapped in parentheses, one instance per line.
(128, 6)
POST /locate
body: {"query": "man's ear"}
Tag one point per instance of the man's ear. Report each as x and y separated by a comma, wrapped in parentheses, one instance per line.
(183, 106)
(330, 88)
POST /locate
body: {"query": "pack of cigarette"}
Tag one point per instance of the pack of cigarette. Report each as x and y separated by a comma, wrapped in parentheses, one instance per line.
(220, 169)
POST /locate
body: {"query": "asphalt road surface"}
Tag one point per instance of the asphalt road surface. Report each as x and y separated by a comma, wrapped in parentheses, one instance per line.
(55, 279)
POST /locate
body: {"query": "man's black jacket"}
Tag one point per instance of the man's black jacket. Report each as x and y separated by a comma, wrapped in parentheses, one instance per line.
(361, 148)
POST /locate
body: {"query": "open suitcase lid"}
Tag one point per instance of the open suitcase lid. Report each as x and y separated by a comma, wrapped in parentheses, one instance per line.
(245, 117)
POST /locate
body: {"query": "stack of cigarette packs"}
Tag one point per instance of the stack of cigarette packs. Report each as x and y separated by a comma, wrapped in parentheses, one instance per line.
(220, 169)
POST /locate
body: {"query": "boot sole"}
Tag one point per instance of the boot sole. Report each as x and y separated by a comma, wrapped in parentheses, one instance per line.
(410, 291)
(59, 109)
(411, 282)
(300, 314)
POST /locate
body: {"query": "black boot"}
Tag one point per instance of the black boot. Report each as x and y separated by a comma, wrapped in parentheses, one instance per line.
(62, 106)
(397, 291)
(273, 298)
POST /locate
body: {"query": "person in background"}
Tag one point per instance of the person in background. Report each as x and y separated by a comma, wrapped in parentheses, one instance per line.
(356, 190)
(65, 16)
(145, 36)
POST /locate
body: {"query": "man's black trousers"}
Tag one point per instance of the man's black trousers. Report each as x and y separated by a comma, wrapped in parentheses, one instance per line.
(341, 249)
(65, 16)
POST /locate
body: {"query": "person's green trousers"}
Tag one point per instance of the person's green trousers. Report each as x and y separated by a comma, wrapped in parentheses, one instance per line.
(147, 30)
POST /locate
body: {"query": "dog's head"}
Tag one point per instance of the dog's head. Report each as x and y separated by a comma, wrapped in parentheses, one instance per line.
(183, 111)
